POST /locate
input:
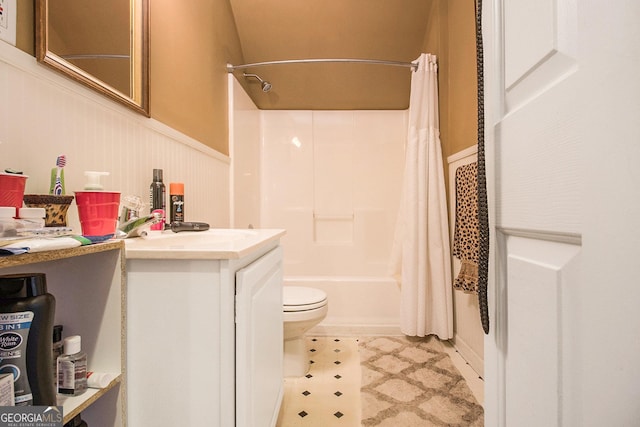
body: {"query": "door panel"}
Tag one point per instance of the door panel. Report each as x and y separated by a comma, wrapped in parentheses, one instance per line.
(534, 25)
(562, 101)
(537, 272)
(539, 185)
(540, 47)
(538, 204)
(538, 132)
(259, 341)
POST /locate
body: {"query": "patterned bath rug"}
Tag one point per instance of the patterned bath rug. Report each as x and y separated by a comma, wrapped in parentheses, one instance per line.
(409, 382)
(329, 395)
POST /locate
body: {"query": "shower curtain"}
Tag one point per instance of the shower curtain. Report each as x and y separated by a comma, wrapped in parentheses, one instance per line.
(421, 258)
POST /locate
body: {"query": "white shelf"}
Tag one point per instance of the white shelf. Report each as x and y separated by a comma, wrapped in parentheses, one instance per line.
(73, 405)
(89, 287)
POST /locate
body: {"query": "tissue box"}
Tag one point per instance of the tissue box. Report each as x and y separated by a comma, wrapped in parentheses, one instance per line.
(7, 397)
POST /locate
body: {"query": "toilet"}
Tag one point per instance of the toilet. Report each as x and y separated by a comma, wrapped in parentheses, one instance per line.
(303, 309)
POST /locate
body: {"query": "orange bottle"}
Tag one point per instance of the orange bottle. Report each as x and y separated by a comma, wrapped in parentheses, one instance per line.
(176, 198)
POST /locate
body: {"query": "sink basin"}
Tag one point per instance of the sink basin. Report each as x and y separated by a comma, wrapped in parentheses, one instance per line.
(225, 243)
(188, 238)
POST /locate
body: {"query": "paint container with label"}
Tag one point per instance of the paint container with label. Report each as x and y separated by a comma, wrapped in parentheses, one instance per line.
(176, 196)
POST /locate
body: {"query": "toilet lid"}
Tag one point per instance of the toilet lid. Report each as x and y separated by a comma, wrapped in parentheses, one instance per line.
(299, 298)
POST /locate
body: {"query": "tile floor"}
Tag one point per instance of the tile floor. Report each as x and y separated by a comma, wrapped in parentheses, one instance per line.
(330, 393)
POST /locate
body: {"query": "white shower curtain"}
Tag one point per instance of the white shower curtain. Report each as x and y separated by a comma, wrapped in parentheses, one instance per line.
(421, 259)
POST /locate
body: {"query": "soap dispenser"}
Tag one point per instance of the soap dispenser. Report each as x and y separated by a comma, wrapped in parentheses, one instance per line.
(93, 180)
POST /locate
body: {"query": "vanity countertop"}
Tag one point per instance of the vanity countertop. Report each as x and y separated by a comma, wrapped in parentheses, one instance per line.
(210, 244)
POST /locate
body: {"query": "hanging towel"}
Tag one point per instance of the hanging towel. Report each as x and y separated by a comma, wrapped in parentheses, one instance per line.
(466, 234)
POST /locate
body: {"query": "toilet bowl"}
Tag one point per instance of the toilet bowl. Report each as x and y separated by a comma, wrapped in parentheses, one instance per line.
(303, 308)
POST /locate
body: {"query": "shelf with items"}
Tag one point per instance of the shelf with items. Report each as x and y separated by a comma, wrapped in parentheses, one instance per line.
(72, 406)
(37, 257)
(88, 284)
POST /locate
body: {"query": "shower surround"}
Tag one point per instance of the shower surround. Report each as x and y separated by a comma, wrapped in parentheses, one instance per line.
(332, 180)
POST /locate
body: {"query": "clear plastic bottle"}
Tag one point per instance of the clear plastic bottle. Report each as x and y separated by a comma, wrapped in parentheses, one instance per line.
(72, 368)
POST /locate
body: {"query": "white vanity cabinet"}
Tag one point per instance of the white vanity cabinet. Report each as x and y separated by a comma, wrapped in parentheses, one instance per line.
(204, 329)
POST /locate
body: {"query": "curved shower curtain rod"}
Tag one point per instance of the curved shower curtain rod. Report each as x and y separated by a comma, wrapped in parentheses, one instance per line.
(412, 65)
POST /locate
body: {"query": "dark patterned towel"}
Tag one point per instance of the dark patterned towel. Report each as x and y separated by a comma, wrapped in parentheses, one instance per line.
(466, 235)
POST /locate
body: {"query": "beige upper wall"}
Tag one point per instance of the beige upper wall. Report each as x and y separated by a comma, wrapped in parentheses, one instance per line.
(452, 38)
(390, 30)
(462, 76)
(25, 31)
(435, 42)
(190, 47)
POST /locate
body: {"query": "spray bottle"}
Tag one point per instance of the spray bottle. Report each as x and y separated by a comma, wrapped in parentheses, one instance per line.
(157, 197)
(176, 195)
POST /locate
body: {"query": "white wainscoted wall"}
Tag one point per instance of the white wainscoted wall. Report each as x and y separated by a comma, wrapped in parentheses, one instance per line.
(44, 114)
(468, 336)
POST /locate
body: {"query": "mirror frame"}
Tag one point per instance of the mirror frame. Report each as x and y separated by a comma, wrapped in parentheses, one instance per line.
(45, 56)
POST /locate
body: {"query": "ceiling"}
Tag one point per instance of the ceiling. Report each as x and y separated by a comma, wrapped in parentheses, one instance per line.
(271, 30)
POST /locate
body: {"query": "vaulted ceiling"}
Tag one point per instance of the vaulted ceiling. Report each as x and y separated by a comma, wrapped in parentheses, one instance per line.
(271, 30)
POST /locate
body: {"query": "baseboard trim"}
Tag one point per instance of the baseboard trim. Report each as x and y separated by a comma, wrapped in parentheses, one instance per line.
(469, 355)
(355, 330)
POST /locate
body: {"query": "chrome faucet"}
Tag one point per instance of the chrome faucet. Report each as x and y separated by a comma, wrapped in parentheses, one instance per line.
(137, 226)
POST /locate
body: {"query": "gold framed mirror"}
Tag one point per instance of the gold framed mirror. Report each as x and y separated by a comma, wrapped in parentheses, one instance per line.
(101, 44)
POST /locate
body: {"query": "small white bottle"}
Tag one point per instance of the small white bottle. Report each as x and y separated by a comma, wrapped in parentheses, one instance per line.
(72, 368)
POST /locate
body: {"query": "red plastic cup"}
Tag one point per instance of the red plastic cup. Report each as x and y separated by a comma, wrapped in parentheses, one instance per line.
(98, 212)
(12, 189)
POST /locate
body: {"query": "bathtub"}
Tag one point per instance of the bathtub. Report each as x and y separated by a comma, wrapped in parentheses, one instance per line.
(358, 305)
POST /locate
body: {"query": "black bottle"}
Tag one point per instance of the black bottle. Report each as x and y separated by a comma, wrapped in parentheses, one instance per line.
(76, 422)
(57, 350)
(157, 194)
(26, 327)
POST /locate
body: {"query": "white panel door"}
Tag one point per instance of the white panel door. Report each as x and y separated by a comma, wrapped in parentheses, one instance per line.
(259, 341)
(563, 141)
